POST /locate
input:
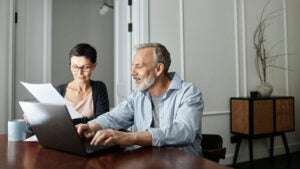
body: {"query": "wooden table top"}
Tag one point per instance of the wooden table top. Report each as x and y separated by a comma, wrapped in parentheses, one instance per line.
(31, 155)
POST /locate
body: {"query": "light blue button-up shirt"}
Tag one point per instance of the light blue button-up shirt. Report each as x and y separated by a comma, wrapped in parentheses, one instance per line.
(180, 116)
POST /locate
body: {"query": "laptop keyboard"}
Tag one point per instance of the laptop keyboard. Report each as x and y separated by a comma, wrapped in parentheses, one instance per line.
(91, 148)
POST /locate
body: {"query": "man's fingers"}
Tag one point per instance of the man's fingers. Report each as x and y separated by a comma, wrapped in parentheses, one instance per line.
(108, 141)
(79, 129)
(89, 134)
(83, 130)
(98, 138)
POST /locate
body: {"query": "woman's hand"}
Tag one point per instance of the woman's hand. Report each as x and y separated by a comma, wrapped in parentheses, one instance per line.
(25, 119)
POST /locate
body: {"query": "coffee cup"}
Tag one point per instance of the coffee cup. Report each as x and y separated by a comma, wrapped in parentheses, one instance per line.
(16, 130)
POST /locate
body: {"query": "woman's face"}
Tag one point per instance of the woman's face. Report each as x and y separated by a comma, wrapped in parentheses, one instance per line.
(81, 68)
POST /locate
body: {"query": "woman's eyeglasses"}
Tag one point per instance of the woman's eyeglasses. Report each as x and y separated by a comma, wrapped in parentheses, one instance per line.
(85, 68)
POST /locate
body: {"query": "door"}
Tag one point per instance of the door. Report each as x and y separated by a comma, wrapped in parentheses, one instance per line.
(33, 47)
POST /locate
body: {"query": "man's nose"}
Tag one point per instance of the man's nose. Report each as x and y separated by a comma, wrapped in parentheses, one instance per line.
(132, 72)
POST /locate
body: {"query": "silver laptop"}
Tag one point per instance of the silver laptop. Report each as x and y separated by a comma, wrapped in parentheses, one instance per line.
(53, 126)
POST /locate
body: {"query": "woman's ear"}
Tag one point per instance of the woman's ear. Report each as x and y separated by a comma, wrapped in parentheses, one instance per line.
(94, 66)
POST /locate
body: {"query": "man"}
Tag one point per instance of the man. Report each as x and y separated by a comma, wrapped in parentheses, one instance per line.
(164, 110)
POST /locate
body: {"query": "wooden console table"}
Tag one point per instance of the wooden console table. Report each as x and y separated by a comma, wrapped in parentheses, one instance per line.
(261, 117)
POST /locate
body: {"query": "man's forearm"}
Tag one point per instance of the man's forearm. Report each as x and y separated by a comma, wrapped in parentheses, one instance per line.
(143, 138)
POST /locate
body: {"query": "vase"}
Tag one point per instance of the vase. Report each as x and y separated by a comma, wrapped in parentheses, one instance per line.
(264, 89)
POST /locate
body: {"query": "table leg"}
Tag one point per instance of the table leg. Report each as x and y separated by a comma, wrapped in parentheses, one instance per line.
(271, 146)
(250, 150)
(285, 145)
(236, 152)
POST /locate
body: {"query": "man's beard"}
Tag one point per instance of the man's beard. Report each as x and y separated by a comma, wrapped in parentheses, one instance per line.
(146, 83)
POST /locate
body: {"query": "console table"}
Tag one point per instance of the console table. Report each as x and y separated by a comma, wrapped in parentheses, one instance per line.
(252, 118)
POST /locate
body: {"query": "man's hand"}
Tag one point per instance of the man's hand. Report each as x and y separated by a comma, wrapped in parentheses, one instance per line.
(109, 136)
(85, 130)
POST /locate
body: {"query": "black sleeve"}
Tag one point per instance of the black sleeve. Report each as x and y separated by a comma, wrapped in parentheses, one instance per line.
(61, 89)
(100, 99)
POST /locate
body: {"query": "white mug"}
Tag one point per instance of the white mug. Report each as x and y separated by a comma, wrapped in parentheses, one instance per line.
(16, 130)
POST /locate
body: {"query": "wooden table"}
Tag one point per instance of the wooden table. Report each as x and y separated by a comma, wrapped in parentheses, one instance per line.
(31, 155)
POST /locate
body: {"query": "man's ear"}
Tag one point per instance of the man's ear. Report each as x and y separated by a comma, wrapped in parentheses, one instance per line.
(159, 69)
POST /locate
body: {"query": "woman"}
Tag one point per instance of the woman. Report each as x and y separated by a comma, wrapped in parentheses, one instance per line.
(89, 98)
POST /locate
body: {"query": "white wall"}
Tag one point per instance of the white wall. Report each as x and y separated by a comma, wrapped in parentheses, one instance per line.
(210, 42)
(77, 21)
(293, 36)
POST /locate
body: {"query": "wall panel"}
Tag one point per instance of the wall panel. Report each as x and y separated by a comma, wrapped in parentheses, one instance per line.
(210, 50)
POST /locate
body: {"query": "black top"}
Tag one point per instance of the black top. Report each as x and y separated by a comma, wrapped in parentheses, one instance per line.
(100, 99)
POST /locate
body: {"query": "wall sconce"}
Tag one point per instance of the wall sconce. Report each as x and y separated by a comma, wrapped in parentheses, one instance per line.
(105, 7)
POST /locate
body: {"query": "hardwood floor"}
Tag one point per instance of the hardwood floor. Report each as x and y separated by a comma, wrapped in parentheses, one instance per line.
(278, 162)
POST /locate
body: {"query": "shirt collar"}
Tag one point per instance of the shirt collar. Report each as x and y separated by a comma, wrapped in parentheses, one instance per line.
(176, 83)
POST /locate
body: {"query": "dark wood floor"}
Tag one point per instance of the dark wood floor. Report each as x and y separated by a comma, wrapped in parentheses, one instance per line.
(278, 162)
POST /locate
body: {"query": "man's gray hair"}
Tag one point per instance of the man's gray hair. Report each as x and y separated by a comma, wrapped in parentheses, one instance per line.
(161, 54)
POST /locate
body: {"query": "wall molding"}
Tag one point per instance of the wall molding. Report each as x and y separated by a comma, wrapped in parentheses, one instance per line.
(216, 113)
(286, 46)
(181, 37)
(241, 49)
(47, 41)
(6, 62)
(244, 50)
(236, 47)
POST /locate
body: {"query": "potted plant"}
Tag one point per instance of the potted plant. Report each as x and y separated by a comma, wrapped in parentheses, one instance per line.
(263, 58)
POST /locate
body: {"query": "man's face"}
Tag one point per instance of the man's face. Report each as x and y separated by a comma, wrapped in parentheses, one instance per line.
(143, 69)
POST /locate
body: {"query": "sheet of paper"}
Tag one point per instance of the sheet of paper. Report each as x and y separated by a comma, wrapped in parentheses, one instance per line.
(32, 138)
(46, 93)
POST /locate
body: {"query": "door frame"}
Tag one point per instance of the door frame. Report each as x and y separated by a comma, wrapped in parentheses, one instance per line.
(125, 41)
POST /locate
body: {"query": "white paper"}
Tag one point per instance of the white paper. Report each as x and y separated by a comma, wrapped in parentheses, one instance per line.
(46, 93)
(32, 139)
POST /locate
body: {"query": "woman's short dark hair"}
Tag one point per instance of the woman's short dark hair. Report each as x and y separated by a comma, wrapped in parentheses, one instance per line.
(86, 50)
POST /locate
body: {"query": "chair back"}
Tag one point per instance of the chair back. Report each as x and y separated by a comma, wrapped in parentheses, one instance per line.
(212, 147)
